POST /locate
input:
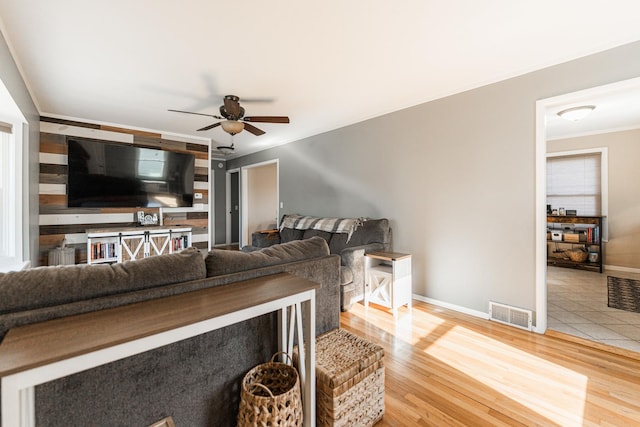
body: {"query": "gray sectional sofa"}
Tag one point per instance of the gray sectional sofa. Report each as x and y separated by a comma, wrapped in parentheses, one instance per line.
(350, 238)
(197, 380)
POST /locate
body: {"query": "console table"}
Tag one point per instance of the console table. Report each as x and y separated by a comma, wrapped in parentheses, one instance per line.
(34, 354)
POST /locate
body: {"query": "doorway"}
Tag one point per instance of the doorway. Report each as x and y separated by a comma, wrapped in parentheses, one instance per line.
(578, 283)
(233, 207)
(259, 208)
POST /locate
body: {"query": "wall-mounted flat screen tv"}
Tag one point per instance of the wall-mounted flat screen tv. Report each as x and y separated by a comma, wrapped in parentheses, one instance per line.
(103, 174)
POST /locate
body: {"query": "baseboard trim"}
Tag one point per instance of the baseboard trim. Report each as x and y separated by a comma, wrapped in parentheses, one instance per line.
(624, 269)
(454, 307)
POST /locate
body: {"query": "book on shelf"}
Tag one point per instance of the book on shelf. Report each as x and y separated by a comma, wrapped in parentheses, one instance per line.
(179, 243)
(103, 250)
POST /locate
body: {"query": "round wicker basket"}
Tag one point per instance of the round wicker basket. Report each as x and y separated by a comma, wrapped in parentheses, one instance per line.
(577, 255)
(270, 395)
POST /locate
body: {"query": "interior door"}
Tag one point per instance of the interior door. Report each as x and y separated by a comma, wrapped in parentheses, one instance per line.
(234, 213)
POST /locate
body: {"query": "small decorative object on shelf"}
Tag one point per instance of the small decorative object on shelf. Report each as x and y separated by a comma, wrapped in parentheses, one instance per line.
(62, 255)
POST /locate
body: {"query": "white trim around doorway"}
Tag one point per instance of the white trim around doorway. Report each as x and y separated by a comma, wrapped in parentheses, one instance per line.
(541, 187)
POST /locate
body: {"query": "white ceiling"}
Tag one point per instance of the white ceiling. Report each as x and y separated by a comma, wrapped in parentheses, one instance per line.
(616, 109)
(325, 64)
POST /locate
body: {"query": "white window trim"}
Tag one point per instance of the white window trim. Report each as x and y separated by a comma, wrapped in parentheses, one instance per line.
(14, 233)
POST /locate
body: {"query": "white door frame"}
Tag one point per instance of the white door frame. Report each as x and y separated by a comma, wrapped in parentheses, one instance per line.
(541, 187)
(244, 194)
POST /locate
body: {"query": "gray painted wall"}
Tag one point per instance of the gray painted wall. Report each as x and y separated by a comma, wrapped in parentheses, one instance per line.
(455, 176)
(12, 79)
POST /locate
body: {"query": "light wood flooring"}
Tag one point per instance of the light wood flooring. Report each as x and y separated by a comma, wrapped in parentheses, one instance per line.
(444, 368)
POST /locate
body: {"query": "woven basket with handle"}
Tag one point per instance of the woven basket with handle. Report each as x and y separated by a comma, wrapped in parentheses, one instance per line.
(577, 255)
(270, 396)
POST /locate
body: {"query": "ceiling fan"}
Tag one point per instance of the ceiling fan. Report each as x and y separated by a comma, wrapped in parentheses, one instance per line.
(234, 120)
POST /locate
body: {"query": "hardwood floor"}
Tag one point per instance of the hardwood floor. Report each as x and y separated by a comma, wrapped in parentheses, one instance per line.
(444, 368)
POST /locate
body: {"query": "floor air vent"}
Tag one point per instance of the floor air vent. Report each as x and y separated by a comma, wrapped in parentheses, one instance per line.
(508, 315)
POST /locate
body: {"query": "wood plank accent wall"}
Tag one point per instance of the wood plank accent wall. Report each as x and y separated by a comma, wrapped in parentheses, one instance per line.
(57, 221)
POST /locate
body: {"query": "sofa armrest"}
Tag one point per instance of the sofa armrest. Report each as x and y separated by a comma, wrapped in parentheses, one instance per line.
(353, 258)
(263, 239)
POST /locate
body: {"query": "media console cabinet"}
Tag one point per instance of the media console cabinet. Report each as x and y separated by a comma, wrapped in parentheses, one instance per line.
(34, 354)
(117, 245)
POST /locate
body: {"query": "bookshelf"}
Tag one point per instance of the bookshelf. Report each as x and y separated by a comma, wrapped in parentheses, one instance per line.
(567, 232)
(118, 245)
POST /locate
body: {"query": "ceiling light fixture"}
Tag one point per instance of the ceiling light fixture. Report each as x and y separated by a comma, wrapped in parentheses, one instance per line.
(576, 113)
(232, 126)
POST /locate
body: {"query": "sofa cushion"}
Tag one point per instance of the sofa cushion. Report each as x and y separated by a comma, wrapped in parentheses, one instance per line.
(338, 242)
(220, 261)
(371, 231)
(319, 233)
(289, 234)
(50, 286)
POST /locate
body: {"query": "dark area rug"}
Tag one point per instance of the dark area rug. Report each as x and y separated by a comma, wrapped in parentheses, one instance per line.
(624, 294)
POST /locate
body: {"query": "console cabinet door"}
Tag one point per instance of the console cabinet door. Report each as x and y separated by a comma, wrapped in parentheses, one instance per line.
(159, 244)
(132, 247)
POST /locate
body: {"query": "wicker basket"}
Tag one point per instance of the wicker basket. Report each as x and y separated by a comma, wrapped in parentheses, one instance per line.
(577, 255)
(270, 396)
(349, 380)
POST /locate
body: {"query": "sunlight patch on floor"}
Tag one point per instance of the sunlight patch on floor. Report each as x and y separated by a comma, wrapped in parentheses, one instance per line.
(495, 364)
(401, 327)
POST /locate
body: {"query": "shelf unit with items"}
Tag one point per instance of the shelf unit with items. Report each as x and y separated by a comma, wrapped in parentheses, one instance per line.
(578, 233)
(118, 245)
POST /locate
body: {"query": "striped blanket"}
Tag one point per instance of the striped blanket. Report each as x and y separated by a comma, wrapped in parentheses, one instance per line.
(332, 225)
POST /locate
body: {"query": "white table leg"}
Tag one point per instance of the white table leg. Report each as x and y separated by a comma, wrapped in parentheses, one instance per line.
(282, 329)
(301, 351)
(310, 362)
(18, 405)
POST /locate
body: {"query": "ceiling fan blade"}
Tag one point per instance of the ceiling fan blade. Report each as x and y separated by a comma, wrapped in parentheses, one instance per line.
(267, 119)
(210, 126)
(232, 105)
(199, 114)
(252, 129)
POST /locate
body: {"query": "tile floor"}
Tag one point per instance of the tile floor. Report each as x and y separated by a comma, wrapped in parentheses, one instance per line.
(577, 305)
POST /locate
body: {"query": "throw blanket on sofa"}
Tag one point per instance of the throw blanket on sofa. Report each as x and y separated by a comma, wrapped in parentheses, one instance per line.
(332, 225)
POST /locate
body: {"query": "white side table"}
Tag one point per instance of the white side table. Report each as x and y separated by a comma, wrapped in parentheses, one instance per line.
(388, 280)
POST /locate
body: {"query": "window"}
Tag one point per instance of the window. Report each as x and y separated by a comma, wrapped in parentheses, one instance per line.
(574, 181)
(7, 191)
(12, 144)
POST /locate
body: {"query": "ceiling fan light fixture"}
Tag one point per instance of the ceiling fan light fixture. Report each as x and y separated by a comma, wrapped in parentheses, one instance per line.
(232, 127)
(575, 114)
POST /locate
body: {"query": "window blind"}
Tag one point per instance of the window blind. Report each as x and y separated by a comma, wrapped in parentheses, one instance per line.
(574, 182)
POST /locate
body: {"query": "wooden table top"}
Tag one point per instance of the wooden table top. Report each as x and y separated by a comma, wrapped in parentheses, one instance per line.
(388, 256)
(40, 344)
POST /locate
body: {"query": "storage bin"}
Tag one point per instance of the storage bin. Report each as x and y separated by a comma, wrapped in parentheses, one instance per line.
(349, 380)
(572, 238)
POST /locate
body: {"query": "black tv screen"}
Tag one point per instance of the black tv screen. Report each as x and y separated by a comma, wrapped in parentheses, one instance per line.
(104, 174)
